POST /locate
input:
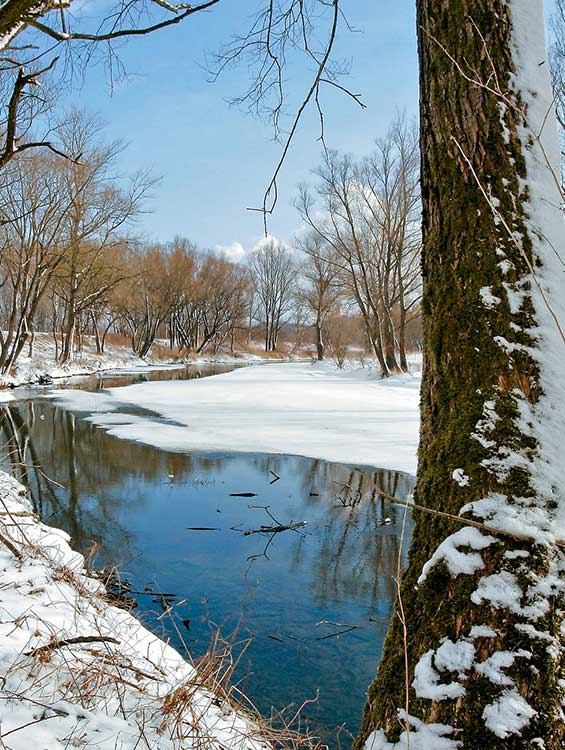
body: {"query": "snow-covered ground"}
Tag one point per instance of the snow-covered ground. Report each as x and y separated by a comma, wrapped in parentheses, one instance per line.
(314, 410)
(115, 357)
(79, 672)
(43, 362)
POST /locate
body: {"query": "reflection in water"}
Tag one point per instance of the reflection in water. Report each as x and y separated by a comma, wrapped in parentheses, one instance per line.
(138, 503)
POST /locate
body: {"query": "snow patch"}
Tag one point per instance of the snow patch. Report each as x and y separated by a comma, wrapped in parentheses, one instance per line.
(427, 684)
(460, 477)
(458, 562)
(421, 737)
(503, 591)
(482, 631)
(492, 667)
(113, 692)
(508, 715)
(488, 299)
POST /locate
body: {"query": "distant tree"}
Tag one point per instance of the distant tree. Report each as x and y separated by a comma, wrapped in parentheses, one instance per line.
(367, 212)
(98, 215)
(321, 288)
(341, 331)
(557, 58)
(224, 289)
(33, 228)
(557, 66)
(146, 305)
(274, 272)
(390, 177)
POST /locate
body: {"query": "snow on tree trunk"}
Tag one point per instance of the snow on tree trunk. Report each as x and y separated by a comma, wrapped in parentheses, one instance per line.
(483, 610)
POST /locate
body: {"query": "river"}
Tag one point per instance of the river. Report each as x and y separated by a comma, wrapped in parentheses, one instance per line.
(306, 609)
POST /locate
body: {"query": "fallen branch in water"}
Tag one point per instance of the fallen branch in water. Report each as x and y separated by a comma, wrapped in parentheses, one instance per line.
(276, 529)
(335, 635)
(345, 629)
(202, 528)
(464, 520)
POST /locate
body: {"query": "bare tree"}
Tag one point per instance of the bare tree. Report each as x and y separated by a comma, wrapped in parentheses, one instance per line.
(339, 203)
(367, 213)
(321, 288)
(28, 29)
(98, 214)
(155, 291)
(60, 223)
(33, 207)
(223, 289)
(278, 31)
(557, 67)
(274, 273)
(390, 190)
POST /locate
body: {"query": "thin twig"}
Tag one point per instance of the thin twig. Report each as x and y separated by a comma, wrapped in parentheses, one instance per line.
(70, 642)
(452, 517)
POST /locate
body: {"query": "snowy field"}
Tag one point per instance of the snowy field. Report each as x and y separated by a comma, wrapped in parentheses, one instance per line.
(314, 410)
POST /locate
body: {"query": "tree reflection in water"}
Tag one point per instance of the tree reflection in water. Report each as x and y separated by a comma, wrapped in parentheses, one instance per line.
(136, 504)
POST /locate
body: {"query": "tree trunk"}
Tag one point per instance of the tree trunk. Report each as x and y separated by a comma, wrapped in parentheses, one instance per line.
(68, 334)
(31, 343)
(479, 664)
(401, 323)
(97, 338)
(389, 345)
(319, 340)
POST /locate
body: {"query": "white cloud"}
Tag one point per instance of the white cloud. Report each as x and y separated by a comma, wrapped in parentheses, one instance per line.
(234, 252)
(262, 241)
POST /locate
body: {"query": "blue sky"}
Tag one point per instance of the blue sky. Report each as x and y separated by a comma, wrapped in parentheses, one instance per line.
(215, 160)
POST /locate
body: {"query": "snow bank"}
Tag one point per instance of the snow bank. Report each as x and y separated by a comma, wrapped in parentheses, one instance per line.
(43, 362)
(312, 410)
(115, 357)
(117, 685)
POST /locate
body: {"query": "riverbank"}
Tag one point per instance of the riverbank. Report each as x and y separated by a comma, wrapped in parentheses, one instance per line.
(308, 409)
(79, 672)
(42, 366)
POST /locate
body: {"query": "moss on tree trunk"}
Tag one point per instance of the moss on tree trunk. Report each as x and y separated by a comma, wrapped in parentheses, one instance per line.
(466, 128)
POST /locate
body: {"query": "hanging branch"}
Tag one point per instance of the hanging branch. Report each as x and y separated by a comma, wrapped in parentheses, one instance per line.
(283, 29)
(270, 197)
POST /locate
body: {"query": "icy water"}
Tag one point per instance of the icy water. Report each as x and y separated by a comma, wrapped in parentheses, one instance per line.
(307, 608)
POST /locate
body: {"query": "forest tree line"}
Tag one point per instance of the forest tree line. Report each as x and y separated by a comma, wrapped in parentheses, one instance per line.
(72, 265)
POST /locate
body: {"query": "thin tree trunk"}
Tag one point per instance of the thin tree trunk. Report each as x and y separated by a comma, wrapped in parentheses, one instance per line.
(96, 334)
(403, 360)
(389, 346)
(319, 340)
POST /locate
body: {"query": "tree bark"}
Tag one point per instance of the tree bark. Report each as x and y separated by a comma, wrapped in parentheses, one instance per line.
(319, 340)
(489, 434)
